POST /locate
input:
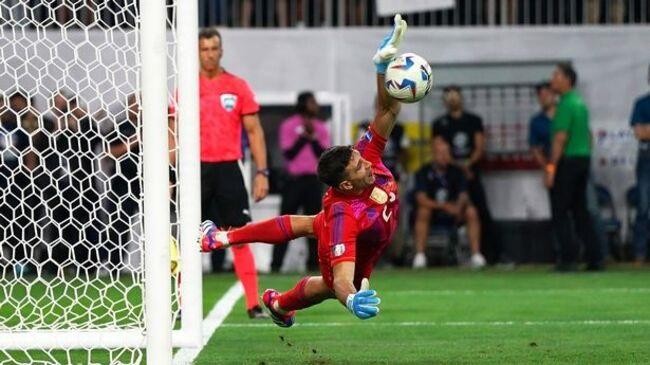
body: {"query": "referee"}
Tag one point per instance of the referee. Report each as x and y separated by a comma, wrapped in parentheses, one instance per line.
(567, 173)
(227, 106)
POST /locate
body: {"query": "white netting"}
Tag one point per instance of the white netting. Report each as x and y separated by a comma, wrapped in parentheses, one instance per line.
(70, 172)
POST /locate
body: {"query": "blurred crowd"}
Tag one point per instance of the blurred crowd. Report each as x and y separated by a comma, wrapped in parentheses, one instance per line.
(448, 192)
(69, 181)
(317, 13)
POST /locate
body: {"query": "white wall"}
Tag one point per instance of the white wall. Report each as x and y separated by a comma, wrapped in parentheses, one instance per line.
(611, 61)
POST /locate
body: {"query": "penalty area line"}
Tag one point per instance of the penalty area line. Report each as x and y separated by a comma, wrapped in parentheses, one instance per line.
(549, 291)
(210, 324)
(590, 322)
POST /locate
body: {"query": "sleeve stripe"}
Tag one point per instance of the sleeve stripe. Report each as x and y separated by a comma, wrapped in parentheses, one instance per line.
(377, 135)
(338, 224)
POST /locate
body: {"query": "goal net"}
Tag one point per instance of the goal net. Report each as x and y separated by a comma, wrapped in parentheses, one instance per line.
(82, 128)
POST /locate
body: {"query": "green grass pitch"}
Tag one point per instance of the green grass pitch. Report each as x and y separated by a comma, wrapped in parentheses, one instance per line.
(451, 316)
(440, 316)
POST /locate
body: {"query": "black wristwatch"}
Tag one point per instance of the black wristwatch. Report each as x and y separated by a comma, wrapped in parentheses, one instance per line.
(264, 172)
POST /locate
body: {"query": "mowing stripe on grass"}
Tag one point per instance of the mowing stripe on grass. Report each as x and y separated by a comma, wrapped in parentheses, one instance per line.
(210, 324)
(589, 322)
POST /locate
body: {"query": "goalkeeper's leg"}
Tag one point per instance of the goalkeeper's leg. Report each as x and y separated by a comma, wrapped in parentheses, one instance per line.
(282, 307)
(277, 230)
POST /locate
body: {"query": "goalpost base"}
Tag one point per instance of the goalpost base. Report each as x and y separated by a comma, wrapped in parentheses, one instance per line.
(85, 339)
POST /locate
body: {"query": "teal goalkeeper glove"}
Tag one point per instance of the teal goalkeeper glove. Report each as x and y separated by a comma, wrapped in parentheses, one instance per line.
(388, 47)
(364, 304)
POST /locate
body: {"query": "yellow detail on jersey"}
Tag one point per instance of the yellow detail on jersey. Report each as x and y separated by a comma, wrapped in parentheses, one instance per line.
(378, 196)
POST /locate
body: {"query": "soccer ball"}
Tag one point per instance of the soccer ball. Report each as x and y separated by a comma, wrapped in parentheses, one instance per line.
(408, 78)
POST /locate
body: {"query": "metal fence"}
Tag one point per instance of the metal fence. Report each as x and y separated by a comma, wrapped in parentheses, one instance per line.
(343, 13)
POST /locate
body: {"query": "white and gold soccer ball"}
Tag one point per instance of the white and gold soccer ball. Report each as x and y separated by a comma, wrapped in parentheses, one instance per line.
(409, 78)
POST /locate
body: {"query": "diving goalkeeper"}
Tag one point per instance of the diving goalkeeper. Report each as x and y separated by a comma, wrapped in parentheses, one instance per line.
(359, 216)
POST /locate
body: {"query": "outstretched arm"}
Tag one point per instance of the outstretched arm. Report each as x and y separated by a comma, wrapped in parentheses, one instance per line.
(387, 110)
(343, 280)
(387, 107)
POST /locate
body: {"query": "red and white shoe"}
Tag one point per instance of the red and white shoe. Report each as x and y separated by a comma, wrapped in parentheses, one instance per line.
(212, 238)
(269, 298)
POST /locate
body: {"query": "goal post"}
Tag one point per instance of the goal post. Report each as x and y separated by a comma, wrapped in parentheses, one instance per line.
(157, 227)
(189, 177)
(86, 214)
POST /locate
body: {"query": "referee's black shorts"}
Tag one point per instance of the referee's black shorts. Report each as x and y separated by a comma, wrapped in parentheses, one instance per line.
(224, 198)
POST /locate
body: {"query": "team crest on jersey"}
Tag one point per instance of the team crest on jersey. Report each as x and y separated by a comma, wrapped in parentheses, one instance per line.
(228, 101)
(378, 196)
(338, 249)
(368, 136)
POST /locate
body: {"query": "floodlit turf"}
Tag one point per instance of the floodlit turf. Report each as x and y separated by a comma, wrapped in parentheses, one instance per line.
(450, 316)
(52, 302)
(443, 316)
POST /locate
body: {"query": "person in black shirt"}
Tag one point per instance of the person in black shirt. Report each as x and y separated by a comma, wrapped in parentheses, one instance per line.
(441, 196)
(71, 159)
(123, 201)
(463, 131)
(18, 198)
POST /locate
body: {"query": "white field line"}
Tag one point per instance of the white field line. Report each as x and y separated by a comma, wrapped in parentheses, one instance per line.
(518, 291)
(210, 324)
(590, 322)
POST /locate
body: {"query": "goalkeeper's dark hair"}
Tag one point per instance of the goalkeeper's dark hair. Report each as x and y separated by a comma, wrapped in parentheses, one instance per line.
(207, 33)
(332, 164)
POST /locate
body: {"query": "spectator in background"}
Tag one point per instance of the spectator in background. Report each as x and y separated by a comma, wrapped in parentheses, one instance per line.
(441, 197)
(567, 173)
(539, 135)
(73, 168)
(20, 201)
(463, 131)
(124, 194)
(227, 103)
(540, 145)
(303, 138)
(614, 11)
(640, 122)
(23, 118)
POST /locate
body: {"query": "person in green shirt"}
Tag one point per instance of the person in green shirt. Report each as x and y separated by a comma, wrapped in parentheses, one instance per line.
(567, 174)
